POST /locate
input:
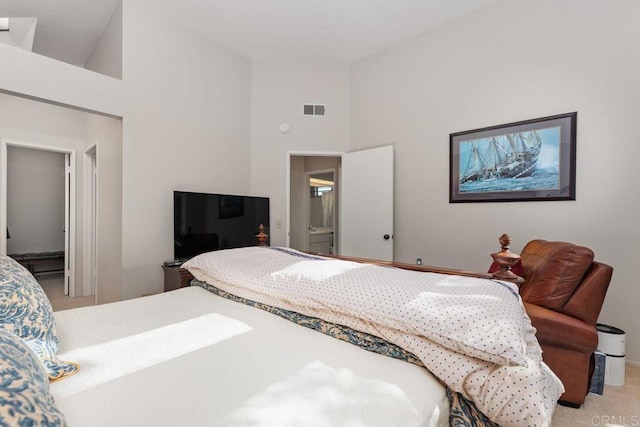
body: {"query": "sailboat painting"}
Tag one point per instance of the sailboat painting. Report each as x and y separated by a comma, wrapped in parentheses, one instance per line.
(511, 162)
(529, 160)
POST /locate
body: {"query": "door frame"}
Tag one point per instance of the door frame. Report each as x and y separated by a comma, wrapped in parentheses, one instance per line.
(70, 257)
(90, 258)
(288, 183)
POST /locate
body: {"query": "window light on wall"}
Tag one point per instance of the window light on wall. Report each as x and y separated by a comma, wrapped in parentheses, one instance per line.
(317, 182)
(4, 24)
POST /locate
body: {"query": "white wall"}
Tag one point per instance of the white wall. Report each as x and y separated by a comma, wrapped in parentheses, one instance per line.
(35, 200)
(40, 77)
(511, 61)
(185, 104)
(106, 56)
(105, 134)
(278, 91)
(186, 128)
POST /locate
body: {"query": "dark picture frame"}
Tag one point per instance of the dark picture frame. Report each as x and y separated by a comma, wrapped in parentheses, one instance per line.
(531, 160)
(230, 207)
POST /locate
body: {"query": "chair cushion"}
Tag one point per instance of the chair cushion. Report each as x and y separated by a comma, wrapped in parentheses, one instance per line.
(24, 387)
(552, 272)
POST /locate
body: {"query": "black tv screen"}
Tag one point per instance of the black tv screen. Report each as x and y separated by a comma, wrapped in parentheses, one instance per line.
(207, 222)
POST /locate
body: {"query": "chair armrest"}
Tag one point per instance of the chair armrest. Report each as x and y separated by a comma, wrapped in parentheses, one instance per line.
(559, 330)
(587, 300)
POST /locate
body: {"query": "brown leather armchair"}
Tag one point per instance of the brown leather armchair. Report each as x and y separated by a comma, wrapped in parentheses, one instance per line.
(563, 292)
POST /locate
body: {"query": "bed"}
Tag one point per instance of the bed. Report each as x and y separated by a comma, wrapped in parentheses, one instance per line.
(232, 351)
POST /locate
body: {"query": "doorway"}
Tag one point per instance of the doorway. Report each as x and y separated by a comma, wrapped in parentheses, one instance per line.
(364, 206)
(321, 212)
(309, 176)
(55, 242)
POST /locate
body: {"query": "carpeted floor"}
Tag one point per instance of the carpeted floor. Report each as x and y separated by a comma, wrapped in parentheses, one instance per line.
(618, 406)
(54, 288)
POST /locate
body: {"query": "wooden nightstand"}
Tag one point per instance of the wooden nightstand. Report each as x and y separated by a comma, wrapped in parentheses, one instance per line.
(176, 278)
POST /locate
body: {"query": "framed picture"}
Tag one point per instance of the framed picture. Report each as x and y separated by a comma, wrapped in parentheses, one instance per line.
(523, 161)
(230, 207)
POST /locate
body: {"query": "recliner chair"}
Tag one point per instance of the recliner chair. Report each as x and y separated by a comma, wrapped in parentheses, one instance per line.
(563, 292)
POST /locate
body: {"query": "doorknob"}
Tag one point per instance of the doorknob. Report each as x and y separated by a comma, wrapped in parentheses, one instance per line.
(386, 237)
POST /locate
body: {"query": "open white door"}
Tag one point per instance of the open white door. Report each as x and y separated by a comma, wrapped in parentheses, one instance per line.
(366, 214)
(70, 224)
(67, 220)
(91, 212)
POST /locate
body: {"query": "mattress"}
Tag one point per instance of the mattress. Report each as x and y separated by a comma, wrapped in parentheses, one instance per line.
(189, 357)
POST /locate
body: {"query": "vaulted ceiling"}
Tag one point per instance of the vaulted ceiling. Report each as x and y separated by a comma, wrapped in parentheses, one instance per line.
(66, 30)
(334, 31)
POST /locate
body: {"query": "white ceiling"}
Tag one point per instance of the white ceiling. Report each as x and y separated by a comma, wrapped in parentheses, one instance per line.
(321, 31)
(66, 29)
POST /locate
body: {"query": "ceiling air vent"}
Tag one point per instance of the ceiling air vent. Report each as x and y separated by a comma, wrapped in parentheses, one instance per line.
(313, 109)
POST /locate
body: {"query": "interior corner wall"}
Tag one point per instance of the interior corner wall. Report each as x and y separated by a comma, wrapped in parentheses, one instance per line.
(187, 127)
(106, 56)
(514, 60)
(279, 89)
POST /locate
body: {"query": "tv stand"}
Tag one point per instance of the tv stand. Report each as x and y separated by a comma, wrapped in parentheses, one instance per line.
(176, 277)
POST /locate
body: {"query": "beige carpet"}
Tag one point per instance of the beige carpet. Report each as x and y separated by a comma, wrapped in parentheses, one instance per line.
(54, 288)
(618, 406)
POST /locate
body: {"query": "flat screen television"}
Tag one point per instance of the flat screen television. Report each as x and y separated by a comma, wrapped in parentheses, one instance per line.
(207, 222)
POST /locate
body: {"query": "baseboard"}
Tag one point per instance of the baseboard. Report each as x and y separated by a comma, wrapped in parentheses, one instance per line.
(148, 294)
(632, 363)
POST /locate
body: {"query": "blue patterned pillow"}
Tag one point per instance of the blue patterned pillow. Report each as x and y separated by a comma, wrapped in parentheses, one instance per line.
(25, 399)
(26, 311)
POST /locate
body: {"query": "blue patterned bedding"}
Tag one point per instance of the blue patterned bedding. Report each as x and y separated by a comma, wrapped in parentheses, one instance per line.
(26, 311)
(463, 413)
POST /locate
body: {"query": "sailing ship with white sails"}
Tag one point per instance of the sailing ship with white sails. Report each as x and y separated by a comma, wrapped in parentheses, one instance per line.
(507, 156)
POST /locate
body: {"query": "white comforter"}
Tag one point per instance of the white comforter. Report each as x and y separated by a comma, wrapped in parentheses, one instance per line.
(473, 334)
(191, 358)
